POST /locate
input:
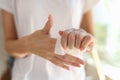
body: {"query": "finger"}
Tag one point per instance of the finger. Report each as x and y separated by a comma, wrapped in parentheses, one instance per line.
(48, 25)
(64, 40)
(85, 42)
(50, 56)
(59, 63)
(69, 59)
(73, 59)
(91, 46)
(61, 33)
(71, 40)
(78, 39)
(61, 57)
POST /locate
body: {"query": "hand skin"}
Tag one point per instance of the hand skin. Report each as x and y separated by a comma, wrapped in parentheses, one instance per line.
(76, 40)
(38, 43)
(71, 40)
(88, 25)
(46, 48)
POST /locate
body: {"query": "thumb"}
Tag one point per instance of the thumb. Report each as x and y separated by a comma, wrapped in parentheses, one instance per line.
(60, 33)
(48, 24)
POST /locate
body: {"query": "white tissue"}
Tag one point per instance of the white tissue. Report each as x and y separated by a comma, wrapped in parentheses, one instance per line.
(74, 52)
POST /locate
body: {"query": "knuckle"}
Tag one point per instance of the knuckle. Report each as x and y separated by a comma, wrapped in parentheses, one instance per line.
(89, 37)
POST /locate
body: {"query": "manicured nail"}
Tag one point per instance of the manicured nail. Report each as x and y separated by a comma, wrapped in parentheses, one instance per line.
(81, 49)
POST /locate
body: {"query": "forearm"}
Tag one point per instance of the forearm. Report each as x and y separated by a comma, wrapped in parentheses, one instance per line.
(17, 48)
(87, 22)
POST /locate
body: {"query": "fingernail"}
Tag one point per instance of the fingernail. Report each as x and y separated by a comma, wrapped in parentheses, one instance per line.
(81, 49)
(83, 63)
(61, 32)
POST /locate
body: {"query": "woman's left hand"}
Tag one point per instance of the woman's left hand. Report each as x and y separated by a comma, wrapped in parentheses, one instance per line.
(77, 38)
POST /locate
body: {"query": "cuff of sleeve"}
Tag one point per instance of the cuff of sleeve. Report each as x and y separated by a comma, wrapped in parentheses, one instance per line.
(2, 6)
(88, 4)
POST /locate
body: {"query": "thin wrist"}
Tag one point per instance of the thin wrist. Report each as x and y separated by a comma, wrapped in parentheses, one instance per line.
(26, 42)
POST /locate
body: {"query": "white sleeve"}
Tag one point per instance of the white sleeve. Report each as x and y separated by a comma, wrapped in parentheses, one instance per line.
(88, 4)
(7, 5)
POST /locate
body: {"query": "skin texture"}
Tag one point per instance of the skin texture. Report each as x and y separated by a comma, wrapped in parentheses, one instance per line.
(77, 38)
(22, 47)
(88, 26)
(72, 40)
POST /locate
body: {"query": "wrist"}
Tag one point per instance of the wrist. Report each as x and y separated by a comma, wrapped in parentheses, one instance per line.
(26, 42)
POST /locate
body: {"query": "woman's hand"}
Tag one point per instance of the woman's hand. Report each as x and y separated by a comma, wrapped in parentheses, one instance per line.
(41, 44)
(77, 38)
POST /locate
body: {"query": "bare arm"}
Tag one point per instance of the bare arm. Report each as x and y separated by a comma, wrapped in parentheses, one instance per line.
(42, 44)
(14, 46)
(88, 25)
(87, 22)
(70, 40)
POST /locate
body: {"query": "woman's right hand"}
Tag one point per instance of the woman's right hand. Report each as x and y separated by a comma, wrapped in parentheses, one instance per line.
(40, 43)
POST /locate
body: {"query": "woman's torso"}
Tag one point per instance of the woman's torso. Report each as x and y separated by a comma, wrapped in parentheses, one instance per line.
(31, 15)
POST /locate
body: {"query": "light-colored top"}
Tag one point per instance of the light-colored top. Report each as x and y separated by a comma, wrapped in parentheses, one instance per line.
(31, 15)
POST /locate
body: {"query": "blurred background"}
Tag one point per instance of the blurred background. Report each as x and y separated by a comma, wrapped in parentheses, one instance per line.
(107, 25)
(107, 32)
